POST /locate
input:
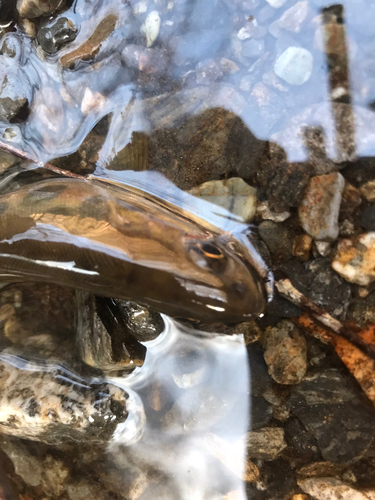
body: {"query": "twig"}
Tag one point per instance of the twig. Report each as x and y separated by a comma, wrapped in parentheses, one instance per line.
(287, 290)
(26, 156)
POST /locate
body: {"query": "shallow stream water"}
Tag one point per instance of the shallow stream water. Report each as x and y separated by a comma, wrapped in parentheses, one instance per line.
(274, 101)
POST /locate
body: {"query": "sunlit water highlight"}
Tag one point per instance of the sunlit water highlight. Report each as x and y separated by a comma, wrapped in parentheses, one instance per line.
(199, 442)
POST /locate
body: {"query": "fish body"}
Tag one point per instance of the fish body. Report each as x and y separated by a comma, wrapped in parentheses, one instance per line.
(114, 241)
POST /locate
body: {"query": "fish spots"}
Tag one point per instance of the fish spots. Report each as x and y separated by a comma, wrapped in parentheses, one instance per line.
(32, 408)
(95, 207)
(43, 193)
(3, 207)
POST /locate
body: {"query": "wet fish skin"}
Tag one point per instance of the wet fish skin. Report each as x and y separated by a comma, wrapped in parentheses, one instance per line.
(116, 243)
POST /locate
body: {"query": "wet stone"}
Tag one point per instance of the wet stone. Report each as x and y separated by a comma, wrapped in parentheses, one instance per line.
(354, 259)
(52, 37)
(277, 237)
(367, 219)
(320, 206)
(362, 310)
(233, 194)
(301, 441)
(302, 247)
(253, 49)
(285, 353)
(293, 18)
(294, 65)
(208, 72)
(148, 61)
(37, 8)
(327, 289)
(283, 181)
(266, 443)
(351, 200)
(328, 488)
(144, 324)
(331, 409)
(88, 49)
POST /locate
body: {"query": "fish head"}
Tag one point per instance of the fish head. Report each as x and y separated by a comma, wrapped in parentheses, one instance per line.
(238, 292)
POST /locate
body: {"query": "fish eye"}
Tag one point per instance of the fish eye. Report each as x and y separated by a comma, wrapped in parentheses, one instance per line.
(210, 250)
(208, 255)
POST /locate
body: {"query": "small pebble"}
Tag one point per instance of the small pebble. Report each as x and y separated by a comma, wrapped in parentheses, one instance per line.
(233, 194)
(285, 353)
(293, 18)
(266, 213)
(328, 488)
(320, 206)
(151, 27)
(208, 72)
(351, 199)
(367, 219)
(367, 190)
(302, 247)
(253, 48)
(266, 443)
(52, 37)
(294, 65)
(323, 248)
(277, 238)
(354, 259)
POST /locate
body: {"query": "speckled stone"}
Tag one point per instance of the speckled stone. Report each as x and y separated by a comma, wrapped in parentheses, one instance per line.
(233, 194)
(48, 403)
(320, 206)
(285, 353)
(354, 259)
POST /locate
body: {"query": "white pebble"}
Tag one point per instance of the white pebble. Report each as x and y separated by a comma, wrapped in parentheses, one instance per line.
(151, 27)
(294, 65)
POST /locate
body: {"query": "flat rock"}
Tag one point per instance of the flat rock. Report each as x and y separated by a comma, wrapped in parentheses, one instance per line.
(285, 353)
(266, 443)
(327, 289)
(233, 194)
(320, 206)
(328, 488)
(354, 259)
(88, 49)
(294, 65)
(330, 407)
(293, 18)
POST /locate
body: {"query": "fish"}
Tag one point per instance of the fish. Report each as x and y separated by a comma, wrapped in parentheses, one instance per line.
(120, 237)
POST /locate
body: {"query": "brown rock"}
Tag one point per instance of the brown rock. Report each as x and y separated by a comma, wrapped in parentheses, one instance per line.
(319, 208)
(302, 246)
(91, 46)
(351, 199)
(36, 8)
(285, 353)
(354, 259)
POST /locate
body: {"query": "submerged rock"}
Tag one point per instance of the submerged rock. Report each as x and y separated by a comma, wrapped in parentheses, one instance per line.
(52, 37)
(320, 206)
(330, 408)
(294, 65)
(354, 259)
(48, 403)
(329, 488)
(233, 194)
(36, 8)
(285, 353)
(266, 443)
